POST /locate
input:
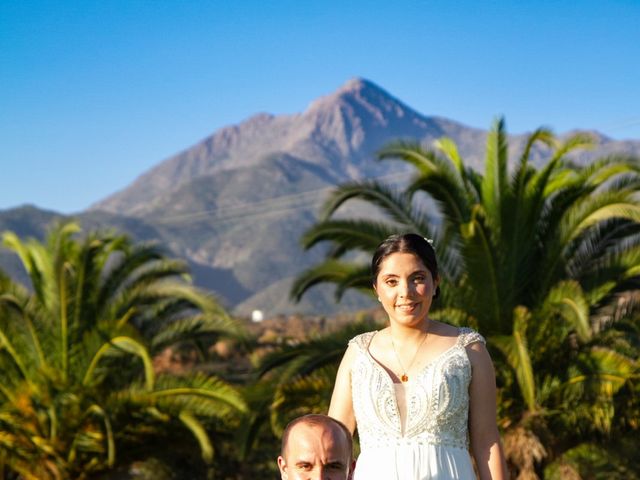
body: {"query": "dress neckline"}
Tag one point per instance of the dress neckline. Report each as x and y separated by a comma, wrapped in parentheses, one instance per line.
(421, 371)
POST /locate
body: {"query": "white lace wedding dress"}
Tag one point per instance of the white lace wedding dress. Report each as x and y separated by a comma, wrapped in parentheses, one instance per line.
(416, 430)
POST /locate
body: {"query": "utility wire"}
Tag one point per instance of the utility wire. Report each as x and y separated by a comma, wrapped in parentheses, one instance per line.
(621, 124)
(275, 206)
(267, 208)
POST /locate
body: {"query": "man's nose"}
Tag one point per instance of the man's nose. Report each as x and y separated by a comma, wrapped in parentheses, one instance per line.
(322, 474)
(317, 474)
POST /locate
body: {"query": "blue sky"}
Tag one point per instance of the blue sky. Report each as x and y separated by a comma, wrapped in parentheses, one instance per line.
(94, 93)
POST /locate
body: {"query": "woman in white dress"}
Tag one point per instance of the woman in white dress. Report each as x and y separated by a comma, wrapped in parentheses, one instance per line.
(421, 392)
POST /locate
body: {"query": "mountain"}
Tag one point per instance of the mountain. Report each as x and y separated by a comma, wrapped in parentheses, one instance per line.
(236, 203)
(337, 135)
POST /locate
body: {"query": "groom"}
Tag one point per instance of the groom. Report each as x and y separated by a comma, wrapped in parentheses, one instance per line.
(316, 447)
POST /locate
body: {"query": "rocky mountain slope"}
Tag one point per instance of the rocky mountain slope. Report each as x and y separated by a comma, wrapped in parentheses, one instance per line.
(235, 204)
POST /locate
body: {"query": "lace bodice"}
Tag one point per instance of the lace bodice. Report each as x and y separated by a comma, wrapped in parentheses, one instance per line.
(437, 404)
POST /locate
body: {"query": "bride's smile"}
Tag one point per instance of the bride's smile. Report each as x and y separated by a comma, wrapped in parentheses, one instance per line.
(405, 288)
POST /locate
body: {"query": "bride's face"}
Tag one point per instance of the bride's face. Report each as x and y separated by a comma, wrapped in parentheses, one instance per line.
(405, 288)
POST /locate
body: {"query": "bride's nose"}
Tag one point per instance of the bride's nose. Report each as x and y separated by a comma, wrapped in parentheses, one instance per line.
(403, 290)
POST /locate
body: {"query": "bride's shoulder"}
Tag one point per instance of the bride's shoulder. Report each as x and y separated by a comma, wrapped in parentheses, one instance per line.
(444, 330)
(362, 340)
(461, 335)
(468, 336)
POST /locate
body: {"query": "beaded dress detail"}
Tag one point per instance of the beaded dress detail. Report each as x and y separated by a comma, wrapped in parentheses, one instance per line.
(432, 441)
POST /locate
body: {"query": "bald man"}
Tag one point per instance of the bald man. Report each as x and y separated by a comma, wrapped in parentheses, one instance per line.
(316, 447)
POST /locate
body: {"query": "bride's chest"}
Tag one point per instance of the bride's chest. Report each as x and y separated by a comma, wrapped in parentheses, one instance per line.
(435, 399)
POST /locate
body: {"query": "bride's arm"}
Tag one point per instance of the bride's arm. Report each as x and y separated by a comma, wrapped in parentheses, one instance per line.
(341, 407)
(483, 430)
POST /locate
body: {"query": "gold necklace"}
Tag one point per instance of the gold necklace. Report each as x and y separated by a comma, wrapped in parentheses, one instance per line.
(404, 377)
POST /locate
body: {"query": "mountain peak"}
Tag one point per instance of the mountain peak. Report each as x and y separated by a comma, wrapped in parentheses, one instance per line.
(358, 90)
(351, 120)
(357, 85)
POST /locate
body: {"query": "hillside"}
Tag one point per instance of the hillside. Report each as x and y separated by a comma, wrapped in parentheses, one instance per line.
(236, 203)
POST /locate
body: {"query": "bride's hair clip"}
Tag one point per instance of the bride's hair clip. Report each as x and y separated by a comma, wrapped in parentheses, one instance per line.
(429, 241)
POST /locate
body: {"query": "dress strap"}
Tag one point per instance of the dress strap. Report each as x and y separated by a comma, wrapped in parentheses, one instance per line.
(467, 336)
(363, 340)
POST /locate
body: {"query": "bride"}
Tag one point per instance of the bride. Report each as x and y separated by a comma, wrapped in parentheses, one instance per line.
(420, 392)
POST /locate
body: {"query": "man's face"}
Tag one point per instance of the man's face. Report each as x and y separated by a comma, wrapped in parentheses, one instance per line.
(316, 452)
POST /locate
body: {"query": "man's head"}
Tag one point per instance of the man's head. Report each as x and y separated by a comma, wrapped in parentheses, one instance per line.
(316, 447)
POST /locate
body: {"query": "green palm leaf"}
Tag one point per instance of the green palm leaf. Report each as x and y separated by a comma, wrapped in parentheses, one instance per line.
(200, 433)
(345, 275)
(68, 387)
(494, 181)
(515, 350)
(541, 260)
(347, 235)
(396, 206)
(303, 358)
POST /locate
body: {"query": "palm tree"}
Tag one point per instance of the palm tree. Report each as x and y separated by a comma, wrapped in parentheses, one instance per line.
(292, 377)
(301, 373)
(534, 257)
(78, 386)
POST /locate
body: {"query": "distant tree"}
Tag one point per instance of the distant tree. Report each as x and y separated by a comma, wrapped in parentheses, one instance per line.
(537, 259)
(78, 389)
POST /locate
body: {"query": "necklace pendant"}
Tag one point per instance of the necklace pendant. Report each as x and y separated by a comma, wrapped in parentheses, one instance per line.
(404, 377)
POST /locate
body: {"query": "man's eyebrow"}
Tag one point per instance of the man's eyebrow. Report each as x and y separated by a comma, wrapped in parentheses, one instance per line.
(337, 463)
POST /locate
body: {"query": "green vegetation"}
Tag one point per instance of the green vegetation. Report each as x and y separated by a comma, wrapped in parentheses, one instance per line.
(543, 261)
(79, 390)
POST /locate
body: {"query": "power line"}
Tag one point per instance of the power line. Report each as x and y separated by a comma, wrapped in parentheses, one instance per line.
(269, 207)
(274, 206)
(621, 124)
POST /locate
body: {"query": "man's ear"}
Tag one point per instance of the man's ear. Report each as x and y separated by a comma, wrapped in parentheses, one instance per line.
(353, 467)
(282, 465)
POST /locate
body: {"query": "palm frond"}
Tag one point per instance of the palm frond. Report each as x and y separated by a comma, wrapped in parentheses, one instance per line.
(413, 154)
(332, 271)
(573, 142)
(125, 344)
(567, 300)
(300, 396)
(448, 193)
(450, 149)
(200, 394)
(482, 271)
(200, 433)
(124, 259)
(398, 207)
(494, 182)
(194, 327)
(348, 235)
(515, 350)
(67, 374)
(303, 358)
(599, 460)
